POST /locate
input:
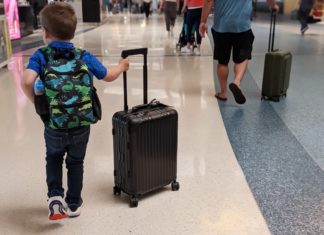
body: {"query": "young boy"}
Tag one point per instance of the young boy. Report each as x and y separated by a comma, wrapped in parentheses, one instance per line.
(58, 21)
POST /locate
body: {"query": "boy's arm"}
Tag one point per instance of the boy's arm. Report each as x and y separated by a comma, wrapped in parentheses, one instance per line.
(27, 83)
(100, 71)
(115, 71)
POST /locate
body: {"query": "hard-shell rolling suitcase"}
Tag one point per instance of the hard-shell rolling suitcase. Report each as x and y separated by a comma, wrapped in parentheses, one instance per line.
(145, 144)
(277, 66)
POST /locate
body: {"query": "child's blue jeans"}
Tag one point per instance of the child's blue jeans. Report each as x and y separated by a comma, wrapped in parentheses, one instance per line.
(73, 143)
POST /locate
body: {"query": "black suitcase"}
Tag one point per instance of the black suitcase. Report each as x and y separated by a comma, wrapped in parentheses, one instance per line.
(145, 144)
(277, 66)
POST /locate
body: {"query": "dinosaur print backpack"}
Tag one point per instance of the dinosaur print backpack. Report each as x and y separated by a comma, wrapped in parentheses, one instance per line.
(68, 89)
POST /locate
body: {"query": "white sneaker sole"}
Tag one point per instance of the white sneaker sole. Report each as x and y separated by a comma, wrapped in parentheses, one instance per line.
(76, 213)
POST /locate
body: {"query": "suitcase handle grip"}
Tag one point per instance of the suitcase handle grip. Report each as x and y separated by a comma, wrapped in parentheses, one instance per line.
(125, 54)
(139, 51)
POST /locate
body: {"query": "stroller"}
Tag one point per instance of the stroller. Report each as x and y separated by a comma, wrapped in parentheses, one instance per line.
(182, 37)
(117, 7)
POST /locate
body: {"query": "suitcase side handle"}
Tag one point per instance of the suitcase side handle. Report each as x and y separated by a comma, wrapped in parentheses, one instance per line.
(153, 103)
(125, 54)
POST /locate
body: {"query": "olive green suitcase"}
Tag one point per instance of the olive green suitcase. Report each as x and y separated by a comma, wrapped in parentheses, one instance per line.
(277, 67)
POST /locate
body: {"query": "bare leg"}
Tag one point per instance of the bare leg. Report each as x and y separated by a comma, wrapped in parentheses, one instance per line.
(239, 71)
(222, 74)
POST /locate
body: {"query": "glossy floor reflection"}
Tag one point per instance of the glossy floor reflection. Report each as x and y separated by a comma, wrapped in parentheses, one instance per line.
(214, 197)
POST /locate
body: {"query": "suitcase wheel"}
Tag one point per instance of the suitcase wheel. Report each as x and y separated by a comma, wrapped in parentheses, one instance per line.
(117, 191)
(275, 99)
(175, 186)
(133, 202)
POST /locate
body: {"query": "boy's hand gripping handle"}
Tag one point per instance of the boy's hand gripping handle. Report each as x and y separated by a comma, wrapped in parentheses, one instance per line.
(125, 54)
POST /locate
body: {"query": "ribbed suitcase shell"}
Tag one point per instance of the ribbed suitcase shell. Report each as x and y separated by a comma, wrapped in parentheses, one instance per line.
(145, 149)
(276, 74)
(277, 66)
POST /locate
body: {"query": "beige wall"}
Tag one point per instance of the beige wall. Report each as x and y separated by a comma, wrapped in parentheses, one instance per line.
(290, 5)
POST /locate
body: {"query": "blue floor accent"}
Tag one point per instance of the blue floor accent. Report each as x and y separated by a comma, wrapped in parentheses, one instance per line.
(286, 182)
(302, 110)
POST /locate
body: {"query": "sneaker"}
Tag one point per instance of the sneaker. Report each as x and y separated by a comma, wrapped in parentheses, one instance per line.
(74, 210)
(303, 30)
(186, 50)
(197, 51)
(56, 208)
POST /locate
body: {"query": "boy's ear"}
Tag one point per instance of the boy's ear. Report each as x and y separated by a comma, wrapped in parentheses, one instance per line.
(47, 33)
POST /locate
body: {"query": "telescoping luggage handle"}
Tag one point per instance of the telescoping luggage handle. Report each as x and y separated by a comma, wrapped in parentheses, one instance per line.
(125, 54)
(272, 30)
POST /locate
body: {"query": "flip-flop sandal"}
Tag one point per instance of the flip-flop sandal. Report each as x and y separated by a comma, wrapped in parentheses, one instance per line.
(220, 98)
(238, 95)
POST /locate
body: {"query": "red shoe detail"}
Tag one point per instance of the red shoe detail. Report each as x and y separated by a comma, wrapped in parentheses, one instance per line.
(58, 216)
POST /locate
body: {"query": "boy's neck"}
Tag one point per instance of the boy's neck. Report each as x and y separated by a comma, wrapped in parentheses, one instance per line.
(50, 40)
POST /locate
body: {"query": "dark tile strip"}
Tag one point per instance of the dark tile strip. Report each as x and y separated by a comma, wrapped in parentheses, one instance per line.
(285, 181)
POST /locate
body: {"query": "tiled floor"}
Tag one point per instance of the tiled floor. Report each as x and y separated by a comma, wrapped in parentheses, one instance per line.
(216, 196)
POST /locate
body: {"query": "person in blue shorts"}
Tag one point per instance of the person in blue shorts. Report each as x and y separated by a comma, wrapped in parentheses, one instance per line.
(231, 33)
(58, 21)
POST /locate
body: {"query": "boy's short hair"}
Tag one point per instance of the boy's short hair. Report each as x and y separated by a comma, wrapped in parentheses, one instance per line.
(59, 19)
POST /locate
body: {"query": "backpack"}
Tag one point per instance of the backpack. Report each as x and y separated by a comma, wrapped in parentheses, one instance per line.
(71, 97)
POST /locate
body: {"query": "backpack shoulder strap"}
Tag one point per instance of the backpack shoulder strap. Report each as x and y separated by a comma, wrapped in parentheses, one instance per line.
(48, 53)
(78, 53)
